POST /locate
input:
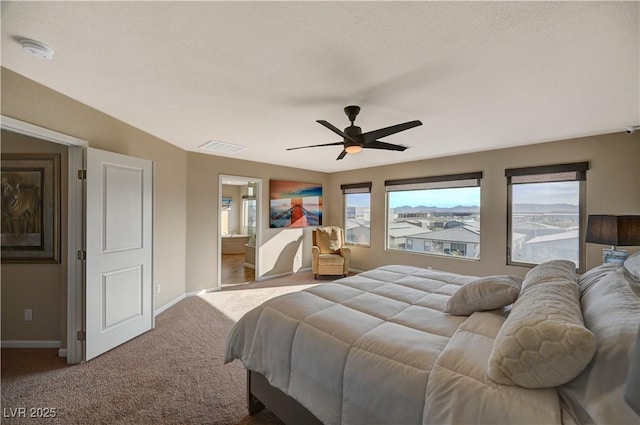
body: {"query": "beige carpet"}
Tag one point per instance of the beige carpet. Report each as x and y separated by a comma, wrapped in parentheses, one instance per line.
(173, 374)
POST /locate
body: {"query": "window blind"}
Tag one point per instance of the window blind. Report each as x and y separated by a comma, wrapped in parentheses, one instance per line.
(435, 182)
(356, 188)
(576, 171)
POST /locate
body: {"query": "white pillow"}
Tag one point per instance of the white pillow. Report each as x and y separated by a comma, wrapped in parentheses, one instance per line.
(543, 343)
(632, 271)
(487, 293)
(612, 311)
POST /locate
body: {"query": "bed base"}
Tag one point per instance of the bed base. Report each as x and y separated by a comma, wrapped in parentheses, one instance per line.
(260, 394)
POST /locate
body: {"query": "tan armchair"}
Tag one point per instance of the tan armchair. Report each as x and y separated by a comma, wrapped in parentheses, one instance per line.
(330, 255)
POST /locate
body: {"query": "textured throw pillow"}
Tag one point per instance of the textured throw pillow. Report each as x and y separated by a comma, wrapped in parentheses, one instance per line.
(543, 343)
(549, 271)
(328, 239)
(486, 293)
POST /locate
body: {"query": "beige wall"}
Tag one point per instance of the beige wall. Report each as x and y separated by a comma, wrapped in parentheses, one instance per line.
(613, 187)
(39, 287)
(278, 247)
(28, 101)
(186, 200)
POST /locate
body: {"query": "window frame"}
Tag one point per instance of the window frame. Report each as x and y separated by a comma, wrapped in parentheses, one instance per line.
(576, 171)
(246, 199)
(350, 189)
(450, 181)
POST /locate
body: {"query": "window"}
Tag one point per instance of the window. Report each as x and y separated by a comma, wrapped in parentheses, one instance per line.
(545, 213)
(441, 211)
(458, 249)
(357, 213)
(249, 214)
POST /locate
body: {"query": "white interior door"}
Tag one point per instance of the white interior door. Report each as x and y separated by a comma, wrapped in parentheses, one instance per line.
(119, 261)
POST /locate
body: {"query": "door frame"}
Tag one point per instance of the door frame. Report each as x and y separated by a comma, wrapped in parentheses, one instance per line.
(258, 195)
(75, 227)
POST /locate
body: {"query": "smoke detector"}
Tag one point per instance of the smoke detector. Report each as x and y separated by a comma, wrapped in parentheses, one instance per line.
(37, 49)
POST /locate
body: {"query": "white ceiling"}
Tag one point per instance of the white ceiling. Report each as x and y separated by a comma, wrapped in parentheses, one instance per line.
(479, 75)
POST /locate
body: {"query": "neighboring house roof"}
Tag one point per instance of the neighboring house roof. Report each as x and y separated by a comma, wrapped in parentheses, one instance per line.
(571, 234)
(472, 225)
(517, 236)
(352, 224)
(531, 225)
(404, 229)
(455, 234)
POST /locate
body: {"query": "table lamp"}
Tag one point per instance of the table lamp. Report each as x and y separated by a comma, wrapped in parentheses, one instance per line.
(613, 230)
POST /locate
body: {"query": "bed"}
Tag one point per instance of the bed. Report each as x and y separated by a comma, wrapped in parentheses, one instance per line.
(407, 345)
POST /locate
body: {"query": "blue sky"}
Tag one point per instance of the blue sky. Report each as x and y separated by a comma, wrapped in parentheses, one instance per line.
(443, 198)
(547, 193)
(359, 200)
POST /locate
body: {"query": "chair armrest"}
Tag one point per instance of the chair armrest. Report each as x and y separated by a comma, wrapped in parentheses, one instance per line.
(315, 253)
(345, 251)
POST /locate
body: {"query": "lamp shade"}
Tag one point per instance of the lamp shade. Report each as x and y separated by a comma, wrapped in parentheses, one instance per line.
(615, 230)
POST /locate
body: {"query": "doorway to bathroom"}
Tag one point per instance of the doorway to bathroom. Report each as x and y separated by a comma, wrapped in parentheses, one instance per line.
(239, 229)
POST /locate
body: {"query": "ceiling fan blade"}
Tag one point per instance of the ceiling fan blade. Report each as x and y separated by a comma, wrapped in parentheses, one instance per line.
(337, 130)
(377, 134)
(315, 146)
(342, 155)
(377, 144)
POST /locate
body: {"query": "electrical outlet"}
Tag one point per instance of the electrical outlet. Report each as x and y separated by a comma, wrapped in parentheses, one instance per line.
(158, 288)
(28, 314)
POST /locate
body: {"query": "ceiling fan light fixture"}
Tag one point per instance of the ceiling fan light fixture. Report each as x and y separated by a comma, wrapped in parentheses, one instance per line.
(354, 140)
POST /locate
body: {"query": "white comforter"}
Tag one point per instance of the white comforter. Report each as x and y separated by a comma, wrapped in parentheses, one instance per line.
(375, 348)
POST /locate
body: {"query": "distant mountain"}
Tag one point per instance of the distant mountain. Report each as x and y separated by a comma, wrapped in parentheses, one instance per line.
(517, 208)
(421, 208)
(545, 208)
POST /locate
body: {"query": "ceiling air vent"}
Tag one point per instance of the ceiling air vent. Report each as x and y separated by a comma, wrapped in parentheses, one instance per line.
(222, 147)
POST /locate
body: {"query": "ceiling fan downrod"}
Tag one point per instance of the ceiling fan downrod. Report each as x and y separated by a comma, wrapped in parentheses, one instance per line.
(352, 112)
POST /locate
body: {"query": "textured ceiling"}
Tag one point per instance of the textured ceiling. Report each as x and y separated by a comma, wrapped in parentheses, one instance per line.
(479, 75)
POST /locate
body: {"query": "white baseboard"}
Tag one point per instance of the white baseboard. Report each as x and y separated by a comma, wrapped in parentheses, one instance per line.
(62, 352)
(29, 344)
(180, 298)
(169, 304)
(202, 291)
(249, 265)
(274, 276)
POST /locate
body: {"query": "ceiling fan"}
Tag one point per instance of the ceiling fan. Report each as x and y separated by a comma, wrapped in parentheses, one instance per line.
(354, 140)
